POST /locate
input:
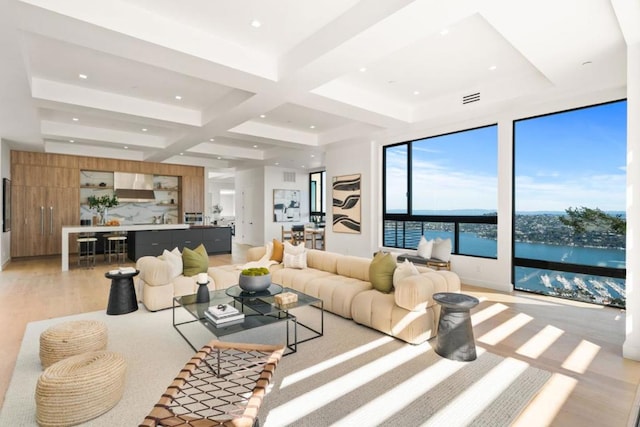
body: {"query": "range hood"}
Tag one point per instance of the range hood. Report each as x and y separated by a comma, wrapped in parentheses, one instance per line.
(133, 187)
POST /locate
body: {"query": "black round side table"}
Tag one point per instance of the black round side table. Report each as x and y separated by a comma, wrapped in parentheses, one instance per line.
(455, 334)
(122, 296)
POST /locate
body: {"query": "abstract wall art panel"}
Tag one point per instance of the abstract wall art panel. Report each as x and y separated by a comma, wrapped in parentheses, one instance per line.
(346, 203)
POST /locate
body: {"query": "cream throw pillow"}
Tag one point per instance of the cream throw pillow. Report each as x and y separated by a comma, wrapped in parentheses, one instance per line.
(425, 248)
(174, 259)
(404, 269)
(441, 249)
(295, 261)
(293, 250)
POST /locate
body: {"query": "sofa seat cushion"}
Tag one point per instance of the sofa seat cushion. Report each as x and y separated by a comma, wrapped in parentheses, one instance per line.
(378, 310)
(224, 276)
(336, 292)
(415, 293)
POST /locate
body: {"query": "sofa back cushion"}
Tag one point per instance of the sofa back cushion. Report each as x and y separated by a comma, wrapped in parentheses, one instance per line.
(353, 266)
(321, 260)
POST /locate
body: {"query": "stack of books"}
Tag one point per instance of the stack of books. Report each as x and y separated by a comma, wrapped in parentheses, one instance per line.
(223, 315)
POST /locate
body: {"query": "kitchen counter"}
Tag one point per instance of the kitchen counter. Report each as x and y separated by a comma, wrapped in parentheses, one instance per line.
(71, 229)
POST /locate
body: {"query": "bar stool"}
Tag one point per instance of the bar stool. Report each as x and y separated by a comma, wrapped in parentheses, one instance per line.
(115, 244)
(87, 249)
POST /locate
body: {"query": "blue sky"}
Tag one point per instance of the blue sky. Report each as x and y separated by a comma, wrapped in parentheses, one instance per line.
(576, 158)
(563, 160)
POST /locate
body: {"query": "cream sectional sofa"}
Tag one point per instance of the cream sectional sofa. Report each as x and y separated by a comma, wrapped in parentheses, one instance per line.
(342, 282)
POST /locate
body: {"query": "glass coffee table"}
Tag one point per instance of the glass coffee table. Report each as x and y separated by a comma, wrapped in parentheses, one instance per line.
(259, 308)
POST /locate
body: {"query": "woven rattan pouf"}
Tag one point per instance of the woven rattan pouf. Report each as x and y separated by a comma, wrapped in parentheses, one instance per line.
(79, 388)
(71, 338)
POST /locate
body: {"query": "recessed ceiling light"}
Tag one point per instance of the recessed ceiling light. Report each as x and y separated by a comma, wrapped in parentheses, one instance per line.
(276, 163)
(312, 127)
(313, 155)
(181, 154)
(255, 23)
(72, 141)
(303, 166)
(126, 148)
(144, 129)
(493, 67)
(444, 32)
(586, 63)
(219, 158)
(178, 97)
(363, 69)
(255, 146)
(212, 139)
(75, 119)
(83, 76)
(416, 92)
(262, 116)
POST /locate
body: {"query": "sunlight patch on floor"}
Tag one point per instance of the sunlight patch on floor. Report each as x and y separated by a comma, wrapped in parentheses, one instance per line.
(306, 403)
(330, 363)
(540, 342)
(472, 401)
(501, 332)
(581, 357)
(395, 400)
(545, 406)
(487, 313)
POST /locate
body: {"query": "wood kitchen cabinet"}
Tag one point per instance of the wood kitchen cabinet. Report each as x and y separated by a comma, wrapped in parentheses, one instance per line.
(47, 201)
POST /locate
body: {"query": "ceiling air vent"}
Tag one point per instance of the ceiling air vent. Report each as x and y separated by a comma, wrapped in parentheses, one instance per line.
(289, 176)
(474, 97)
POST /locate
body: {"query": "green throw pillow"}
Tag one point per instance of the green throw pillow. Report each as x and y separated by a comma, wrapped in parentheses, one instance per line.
(195, 261)
(381, 272)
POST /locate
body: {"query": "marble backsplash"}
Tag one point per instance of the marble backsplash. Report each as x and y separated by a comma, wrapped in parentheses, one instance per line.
(136, 213)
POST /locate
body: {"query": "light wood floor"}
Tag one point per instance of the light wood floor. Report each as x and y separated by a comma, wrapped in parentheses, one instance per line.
(580, 344)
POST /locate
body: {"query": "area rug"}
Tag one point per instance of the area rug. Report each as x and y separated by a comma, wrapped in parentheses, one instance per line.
(352, 376)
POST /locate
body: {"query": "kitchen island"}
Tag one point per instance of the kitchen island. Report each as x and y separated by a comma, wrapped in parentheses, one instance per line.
(216, 240)
(77, 229)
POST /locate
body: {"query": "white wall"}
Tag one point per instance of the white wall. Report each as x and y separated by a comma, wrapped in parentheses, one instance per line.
(346, 159)
(5, 172)
(250, 205)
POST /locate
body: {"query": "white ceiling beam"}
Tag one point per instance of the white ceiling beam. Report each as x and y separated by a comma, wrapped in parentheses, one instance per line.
(72, 131)
(265, 130)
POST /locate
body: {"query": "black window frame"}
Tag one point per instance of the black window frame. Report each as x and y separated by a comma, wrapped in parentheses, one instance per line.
(456, 220)
(616, 273)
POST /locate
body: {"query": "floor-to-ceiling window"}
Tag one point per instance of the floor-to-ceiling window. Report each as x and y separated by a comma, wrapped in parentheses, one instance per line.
(569, 196)
(443, 186)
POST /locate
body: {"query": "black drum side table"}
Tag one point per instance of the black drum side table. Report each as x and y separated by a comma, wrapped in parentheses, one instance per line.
(122, 296)
(455, 334)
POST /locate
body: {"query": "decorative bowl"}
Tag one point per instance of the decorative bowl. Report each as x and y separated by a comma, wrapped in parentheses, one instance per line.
(254, 283)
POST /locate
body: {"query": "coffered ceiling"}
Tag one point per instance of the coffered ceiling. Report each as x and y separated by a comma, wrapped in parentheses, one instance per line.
(238, 83)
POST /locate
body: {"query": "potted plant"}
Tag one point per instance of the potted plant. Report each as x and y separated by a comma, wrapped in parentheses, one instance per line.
(254, 279)
(101, 205)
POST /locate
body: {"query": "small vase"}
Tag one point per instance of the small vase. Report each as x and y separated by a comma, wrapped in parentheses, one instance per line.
(203, 293)
(103, 216)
